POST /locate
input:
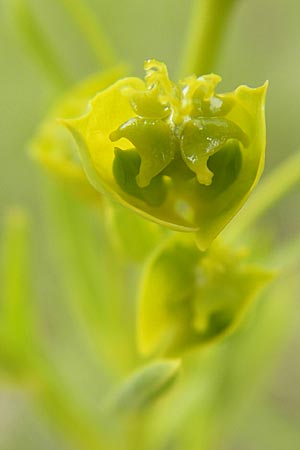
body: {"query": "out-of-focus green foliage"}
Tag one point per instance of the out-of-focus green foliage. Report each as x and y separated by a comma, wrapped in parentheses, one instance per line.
(135, 246)
(71, 376)
(55, 148)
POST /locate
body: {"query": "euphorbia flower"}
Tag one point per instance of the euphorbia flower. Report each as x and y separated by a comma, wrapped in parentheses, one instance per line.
(177, 153)
(190, 299)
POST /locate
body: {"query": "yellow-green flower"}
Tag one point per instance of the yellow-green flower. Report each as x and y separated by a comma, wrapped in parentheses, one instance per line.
(190, 299)
(179, 154)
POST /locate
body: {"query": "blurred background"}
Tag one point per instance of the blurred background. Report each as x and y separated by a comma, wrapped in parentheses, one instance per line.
(262, 42)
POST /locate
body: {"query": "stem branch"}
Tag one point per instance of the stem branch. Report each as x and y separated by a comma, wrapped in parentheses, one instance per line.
(91, 31)
(39, 45)
(275, 186)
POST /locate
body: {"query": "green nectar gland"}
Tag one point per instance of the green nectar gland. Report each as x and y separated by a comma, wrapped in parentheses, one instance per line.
(184, 121)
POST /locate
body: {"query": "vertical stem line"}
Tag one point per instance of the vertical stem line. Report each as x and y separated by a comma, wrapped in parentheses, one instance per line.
(274, 187)
(92, 31)
(207, 28)
(39, 45)
(17, 312)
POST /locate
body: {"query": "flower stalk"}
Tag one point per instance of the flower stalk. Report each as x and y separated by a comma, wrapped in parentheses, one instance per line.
(209, 20)
(92, 31)
(39, 45)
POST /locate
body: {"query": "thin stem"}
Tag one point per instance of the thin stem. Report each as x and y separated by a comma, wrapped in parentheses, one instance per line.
(15, 284)
(206, 31)
(16, 321)
(28, 359)
(275, 186)
(39, 45)
(92, 31)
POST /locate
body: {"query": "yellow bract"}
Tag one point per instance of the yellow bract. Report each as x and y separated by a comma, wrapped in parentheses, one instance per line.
(178, 154)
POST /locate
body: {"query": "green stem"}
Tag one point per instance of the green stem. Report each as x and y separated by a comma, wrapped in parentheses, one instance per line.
(17, 315)
(91, 31)
(275, 186)
(39, 45)
(15, 282)
(206, 31)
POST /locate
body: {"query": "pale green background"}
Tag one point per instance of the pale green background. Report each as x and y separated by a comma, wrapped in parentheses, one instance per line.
(263, 42)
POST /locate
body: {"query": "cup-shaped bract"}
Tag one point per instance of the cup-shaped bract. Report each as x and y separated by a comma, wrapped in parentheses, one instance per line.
(190, 298)
(177, 153)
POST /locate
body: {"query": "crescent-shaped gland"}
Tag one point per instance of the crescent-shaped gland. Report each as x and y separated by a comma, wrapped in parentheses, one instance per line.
(201, 138)
(154, 142)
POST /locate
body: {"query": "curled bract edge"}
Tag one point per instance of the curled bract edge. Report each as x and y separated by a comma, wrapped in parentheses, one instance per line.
(179, 154)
